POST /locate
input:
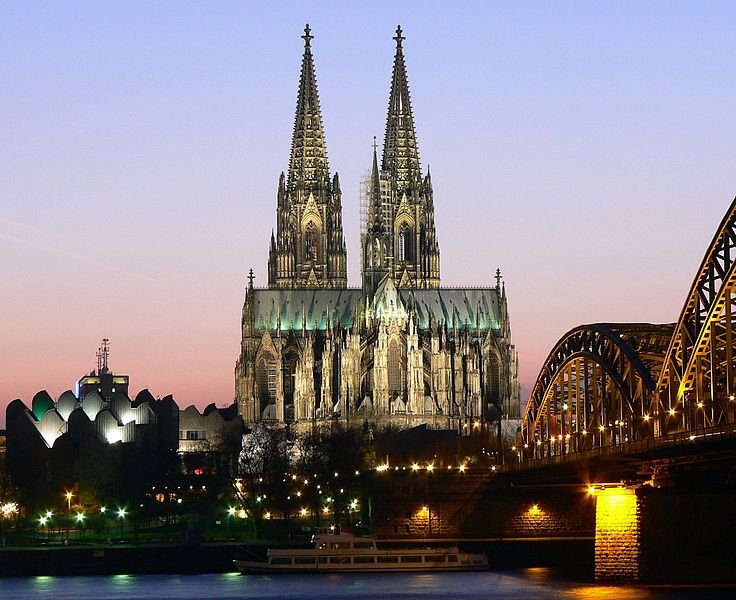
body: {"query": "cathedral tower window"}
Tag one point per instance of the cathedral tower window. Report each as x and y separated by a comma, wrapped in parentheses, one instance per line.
(310, 242)
(402, 243)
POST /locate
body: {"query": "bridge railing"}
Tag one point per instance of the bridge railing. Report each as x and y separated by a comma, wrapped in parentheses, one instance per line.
(634, 448)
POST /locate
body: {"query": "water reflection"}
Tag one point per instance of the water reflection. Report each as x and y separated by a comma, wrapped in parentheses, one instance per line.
(509, 585)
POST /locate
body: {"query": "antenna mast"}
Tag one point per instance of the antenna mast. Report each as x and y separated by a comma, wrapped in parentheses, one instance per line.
(103, 353)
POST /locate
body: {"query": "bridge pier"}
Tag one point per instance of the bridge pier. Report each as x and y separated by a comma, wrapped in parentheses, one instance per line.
(664, 535)
(617, 534)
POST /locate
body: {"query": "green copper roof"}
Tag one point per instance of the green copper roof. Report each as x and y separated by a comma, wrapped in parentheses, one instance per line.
(457, 307)
(474, 307)
(305, 308)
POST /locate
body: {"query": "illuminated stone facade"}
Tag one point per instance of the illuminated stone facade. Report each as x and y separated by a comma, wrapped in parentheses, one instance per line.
(401, 348)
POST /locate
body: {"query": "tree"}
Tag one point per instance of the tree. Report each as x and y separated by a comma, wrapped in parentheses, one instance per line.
(8, 499)
(332, 457)
(261, 482)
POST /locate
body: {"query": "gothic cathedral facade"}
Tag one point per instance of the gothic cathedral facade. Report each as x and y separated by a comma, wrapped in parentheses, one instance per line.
(401, 349)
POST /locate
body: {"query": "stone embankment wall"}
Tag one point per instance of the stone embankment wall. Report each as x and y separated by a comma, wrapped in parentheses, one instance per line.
(413, 505)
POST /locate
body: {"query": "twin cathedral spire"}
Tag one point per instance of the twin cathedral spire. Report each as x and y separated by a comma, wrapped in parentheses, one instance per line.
(398, 235)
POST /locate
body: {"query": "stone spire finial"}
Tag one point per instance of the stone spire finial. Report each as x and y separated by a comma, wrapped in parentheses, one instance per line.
(308, 166)
(307, 37)
(400, 151)
(398, 37)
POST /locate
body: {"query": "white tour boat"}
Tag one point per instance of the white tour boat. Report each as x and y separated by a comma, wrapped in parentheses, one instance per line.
(344, 553)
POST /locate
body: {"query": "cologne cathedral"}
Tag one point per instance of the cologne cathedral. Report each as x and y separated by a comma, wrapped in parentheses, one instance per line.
(401, 349)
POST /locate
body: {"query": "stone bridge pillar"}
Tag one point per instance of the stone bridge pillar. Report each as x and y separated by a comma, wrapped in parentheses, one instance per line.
(617, 534)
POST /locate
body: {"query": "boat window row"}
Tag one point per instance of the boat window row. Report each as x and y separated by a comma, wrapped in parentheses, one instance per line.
(359, 559)
(346, 546)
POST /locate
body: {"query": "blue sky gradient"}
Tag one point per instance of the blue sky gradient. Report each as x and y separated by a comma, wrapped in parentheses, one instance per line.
(586, 148)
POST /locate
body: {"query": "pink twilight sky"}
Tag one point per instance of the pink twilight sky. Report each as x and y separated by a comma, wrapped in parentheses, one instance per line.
(586, 148)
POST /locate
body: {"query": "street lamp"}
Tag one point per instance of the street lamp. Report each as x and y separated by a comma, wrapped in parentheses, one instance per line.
(69, 496)
(121, 515)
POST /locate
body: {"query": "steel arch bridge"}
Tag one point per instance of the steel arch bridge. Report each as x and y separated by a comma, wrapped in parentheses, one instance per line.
(609, 384)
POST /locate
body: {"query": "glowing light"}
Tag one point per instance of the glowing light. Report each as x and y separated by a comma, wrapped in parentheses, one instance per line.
(591, 490)
(8, 509)
(565, 406)
(121, 513)
(231, 511)
(462, 468)
(616, 517)
(691, 438)
(493, 468)
(559, 437)
(42, 521)
(585, 432)
(534, 509)
(113, 436)
(732, 397)
(382, 468)
(647, 417)
(539, 442)
(49, 514)
(326, 509)
(267, 515)
(424, 508)
(80, 517)
(700, 405)
(430, 467)
(602, 428)
(414, 467)
(103, 509)
(476, 424)
(672, 412)
(69, 495)
(303, 512)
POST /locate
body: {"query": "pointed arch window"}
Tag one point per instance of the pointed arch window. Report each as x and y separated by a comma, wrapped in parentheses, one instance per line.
(266, 382)
(395, 372)
(402, 243)
(310, 242)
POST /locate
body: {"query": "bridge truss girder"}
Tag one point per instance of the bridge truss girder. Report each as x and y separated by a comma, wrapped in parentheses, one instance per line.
(593, 389)
(696, 386)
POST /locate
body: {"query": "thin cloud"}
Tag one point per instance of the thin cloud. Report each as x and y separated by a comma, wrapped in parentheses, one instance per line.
(74, 255)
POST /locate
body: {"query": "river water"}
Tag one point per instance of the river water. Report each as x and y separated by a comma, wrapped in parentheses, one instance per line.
(518, 585)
